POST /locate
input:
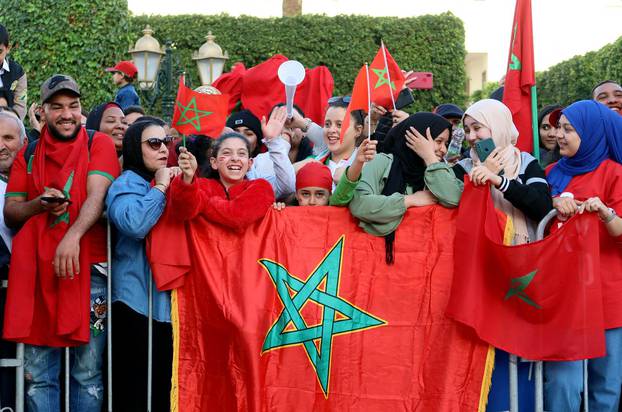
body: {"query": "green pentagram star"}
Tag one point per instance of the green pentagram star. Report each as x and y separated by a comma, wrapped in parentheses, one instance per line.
(354, 319)
(518, 286)
(383, 78)
(195, 121)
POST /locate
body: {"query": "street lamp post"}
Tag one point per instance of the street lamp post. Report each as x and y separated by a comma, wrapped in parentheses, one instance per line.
(210, 60)
(157, 68)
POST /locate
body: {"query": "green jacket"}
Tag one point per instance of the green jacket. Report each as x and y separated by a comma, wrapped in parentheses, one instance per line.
(380, 215)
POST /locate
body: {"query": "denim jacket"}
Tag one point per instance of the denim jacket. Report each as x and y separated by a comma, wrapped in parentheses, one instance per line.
(134, 207)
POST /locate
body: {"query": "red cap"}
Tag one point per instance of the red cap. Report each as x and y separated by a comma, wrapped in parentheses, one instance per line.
(126, 67)
(554, 117)
(314, 174)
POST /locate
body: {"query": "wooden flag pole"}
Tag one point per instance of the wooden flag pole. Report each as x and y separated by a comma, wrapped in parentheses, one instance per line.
(386, 66)
(368, 102)
(534, 123)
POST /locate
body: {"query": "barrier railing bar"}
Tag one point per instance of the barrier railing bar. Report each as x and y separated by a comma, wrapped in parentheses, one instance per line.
(109, 314)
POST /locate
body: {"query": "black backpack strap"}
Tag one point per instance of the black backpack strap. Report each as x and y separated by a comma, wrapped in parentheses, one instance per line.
(91, 134)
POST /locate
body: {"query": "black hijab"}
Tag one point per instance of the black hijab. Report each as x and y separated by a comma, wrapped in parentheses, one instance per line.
(132, 146)
(94, 118)
(407, 167)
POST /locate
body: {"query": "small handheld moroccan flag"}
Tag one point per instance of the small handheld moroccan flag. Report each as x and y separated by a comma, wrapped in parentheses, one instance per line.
(386, 79)
(359, 99)
(198, 113)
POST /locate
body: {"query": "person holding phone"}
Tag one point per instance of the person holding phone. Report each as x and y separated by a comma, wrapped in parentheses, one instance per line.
(135, 205)
(519, 190)
(519, 187)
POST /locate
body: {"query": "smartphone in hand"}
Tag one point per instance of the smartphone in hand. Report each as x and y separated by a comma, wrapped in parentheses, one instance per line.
(484, 148)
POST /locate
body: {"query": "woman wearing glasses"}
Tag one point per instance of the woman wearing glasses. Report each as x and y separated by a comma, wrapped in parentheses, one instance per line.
(134, 207)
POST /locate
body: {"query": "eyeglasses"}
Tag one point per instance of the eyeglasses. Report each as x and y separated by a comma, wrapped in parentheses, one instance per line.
(339, 100)
(155, 143)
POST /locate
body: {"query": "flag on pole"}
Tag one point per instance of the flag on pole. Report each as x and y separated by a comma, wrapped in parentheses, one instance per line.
(359, 99)
(198, 113)
(386, 79)
(520, 79)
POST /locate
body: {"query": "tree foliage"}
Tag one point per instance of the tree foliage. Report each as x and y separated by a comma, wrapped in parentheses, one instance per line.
(342, 43)
(79, 37)
(574, 79)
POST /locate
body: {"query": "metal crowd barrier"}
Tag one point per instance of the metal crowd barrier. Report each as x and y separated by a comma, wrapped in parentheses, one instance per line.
(18, 362)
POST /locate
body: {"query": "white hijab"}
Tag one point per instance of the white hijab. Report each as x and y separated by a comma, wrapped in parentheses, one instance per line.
(498, 118)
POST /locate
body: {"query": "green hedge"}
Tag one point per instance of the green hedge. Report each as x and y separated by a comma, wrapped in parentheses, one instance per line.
(79, 37)
(574, 79)
(342, 43)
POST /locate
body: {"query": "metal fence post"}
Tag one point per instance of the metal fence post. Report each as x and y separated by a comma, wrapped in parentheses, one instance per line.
(150, 346)
(109, 314)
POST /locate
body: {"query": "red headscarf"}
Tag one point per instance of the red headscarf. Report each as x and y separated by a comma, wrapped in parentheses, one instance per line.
(314, 174)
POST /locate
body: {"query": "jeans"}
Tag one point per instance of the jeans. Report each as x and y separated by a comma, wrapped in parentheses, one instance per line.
(42, 364)
(564, 380)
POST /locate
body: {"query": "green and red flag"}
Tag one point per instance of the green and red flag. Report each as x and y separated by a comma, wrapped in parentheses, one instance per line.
(300, 312)
(359, 99)
(199, 113)
(519, 93)
(386, 79)
(542, 300)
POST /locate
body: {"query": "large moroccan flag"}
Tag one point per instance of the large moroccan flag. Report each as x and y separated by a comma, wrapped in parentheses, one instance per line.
(198, 113)
(386, 79)
(520, 80)
(300, 313)
(541, 301)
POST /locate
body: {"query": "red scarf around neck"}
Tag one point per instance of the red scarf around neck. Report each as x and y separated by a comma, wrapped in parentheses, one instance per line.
(43, 309)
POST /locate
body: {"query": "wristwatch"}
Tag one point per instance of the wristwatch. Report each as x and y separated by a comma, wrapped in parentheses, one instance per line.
(612, 215)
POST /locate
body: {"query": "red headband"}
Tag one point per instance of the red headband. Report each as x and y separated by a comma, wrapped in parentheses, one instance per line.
(314, 174)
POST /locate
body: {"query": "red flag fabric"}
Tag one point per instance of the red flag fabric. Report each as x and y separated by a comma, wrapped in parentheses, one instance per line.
(198, 113)
(231, 84)
(359, 99)
(259, 88)
(520, 76)
(542, 300)
(299, 312)
(381, 71)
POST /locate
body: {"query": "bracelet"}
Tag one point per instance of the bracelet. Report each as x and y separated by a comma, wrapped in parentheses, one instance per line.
(305, 127)
(611, 216)
(161, 187)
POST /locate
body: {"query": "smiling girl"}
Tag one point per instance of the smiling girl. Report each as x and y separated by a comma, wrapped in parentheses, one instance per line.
(226, 197)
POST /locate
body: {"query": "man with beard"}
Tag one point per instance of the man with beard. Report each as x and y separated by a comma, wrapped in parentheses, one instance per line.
(12, 138)
(609, 93)
(56, 195)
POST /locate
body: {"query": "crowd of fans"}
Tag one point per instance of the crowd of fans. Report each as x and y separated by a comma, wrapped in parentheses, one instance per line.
(60, 175)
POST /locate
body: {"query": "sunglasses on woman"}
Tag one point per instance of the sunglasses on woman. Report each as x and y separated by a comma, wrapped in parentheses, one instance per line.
(340, 100)
(155, 142)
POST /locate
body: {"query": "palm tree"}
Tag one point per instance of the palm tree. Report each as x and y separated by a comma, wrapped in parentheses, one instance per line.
(292, 8)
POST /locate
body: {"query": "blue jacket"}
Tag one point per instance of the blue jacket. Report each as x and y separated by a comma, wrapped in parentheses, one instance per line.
(127, 96)
(134, 207)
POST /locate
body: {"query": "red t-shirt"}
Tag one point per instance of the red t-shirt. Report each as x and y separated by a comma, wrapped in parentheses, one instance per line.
(102, 161)
(606, 183)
